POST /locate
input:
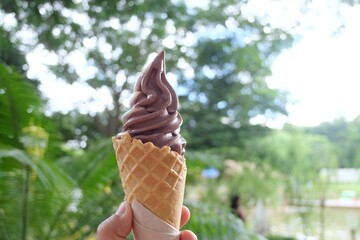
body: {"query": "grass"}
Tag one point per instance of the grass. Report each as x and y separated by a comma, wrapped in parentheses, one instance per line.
(335, 189)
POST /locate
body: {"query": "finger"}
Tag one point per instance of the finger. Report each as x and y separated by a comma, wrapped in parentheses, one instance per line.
(185, 216)
(187, 235)
(117, 226)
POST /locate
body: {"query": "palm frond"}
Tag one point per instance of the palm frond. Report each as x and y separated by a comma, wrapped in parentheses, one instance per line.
(49, 188)
(18, 103)
(51, 176)
(99, 187)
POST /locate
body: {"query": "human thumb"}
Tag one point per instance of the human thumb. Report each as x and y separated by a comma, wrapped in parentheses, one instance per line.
(117, 226)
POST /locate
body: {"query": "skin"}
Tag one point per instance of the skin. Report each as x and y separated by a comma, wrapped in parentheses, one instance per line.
(118, 226)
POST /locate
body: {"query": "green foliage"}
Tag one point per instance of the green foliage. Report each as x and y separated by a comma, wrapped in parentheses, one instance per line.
(73, 195)
(344, 136)
(228, 91)
(296, 155)
(288, 159)
(98, 192)
(228, 54)
(197, 161)
(335, 190)
(18, 103)
(220, 70)
(49, 187)
(21, 106)
(9, 54)
(253, 182)
(50, 176)
(211, 222)
(273, 237)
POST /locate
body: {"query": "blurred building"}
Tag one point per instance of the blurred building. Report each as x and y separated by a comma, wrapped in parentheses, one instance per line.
(341, 175)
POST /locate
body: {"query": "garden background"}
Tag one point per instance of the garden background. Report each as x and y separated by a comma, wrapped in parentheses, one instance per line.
(58, 173)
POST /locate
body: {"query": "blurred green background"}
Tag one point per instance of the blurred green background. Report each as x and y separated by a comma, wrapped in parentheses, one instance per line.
(58, 174)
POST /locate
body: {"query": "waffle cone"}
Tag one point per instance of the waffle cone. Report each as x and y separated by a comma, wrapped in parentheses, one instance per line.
(152, 176)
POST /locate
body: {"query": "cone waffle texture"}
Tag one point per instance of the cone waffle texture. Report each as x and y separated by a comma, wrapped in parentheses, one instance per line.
(154, 177)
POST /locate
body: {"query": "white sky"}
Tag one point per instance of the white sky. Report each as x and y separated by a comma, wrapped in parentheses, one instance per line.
(320, 70)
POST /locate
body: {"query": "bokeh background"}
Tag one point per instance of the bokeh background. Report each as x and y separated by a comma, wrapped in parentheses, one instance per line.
(268, 94)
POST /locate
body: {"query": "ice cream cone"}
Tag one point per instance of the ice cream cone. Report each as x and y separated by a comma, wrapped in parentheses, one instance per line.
(152, 176)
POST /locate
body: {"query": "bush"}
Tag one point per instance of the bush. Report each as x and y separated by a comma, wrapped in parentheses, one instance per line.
(217, 223)
(280, 238)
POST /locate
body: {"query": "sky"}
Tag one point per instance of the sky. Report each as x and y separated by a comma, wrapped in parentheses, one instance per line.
(320, 71)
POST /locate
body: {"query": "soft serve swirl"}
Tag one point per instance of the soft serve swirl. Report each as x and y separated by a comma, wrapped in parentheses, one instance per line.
(153, 116)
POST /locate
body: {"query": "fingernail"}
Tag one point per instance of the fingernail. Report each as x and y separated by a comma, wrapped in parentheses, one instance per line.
(120, 211)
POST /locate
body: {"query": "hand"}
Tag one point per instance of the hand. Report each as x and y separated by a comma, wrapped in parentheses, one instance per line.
(118, 226)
